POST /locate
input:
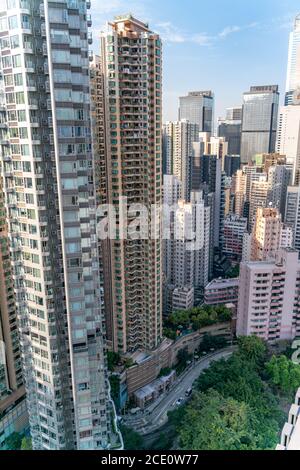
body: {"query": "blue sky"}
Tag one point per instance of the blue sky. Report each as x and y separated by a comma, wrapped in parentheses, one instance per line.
(222, 45)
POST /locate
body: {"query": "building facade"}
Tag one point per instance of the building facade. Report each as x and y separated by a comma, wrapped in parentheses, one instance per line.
(198, 108)
(131, 55)
(259, 124)
(48, 176)
(293, 68)
(178, 140)
(268, 304)
(288, 136)
(230, 128)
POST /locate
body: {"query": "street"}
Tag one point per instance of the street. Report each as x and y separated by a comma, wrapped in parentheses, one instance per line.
(155, 415)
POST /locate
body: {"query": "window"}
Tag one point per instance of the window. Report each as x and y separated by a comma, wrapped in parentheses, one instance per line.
(22, 115)
(13, 22)
(23, 132)
(6, 61)
(8, 80)
(10, 98)
(11, 116)
(14, 41)
(16, 60)
(20, 97)
(18, 78)
(4, 42)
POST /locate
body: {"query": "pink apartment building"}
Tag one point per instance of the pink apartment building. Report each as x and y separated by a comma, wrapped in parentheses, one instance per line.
(269, 298)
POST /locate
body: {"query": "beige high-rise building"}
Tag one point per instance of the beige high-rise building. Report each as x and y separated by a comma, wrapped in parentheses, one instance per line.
(266, 234)
(258, 198)
(239, 186)
(131, 56)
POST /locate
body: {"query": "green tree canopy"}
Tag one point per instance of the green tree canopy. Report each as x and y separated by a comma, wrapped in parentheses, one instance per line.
(284, 374)
(132, 439)
(213, 422)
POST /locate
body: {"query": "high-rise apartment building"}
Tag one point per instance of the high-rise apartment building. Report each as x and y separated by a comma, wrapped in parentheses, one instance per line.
(198, 108)
(258, 198)
(234, 228)
(288, 136)
(13, 410)
(293, 68)
(47, 164)
(268, 304)
(178, 140)
(266, 234)
(292, 213)
(211, 180)
(259, 123)
(131, 56)
(187, 249)
(239, 186)
(230, 128)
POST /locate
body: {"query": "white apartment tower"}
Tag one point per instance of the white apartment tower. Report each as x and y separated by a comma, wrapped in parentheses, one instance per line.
(47, 169)
(293, 68)
(288, 136)
(179, 137)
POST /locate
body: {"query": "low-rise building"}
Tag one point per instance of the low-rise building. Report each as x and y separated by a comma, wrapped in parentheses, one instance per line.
(149, 393)
(221, 291)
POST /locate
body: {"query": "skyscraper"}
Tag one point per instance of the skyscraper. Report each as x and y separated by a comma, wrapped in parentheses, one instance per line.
(293, 68)
(288, 137)
(48, 183)
(259, 124)
(198, 108)
(179, 137)
(230, 128)
(131, 55)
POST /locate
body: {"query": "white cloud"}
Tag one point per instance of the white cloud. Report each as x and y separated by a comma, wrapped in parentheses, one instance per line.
(169, 32)
(172, 34)
(229, 30)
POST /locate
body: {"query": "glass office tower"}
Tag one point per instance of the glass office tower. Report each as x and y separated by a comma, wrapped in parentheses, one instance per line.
(259, 123)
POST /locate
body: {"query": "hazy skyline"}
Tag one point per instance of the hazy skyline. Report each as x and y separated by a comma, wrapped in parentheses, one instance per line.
(222, 46)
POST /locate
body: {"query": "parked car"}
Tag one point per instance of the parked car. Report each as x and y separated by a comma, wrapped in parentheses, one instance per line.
(179, 401)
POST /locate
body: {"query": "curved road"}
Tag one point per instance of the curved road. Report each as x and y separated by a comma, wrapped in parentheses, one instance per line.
(156, 415)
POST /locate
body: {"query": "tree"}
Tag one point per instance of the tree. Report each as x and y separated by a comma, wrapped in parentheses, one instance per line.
(13, 442)
(112, 360)
(132, 439)
(26, 443)
(208, 342)
(115, 389)
(253, 349)
(284, 374)
(213, 422)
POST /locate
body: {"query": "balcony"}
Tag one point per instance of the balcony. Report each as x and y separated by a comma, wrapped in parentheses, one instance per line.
(89, 20)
